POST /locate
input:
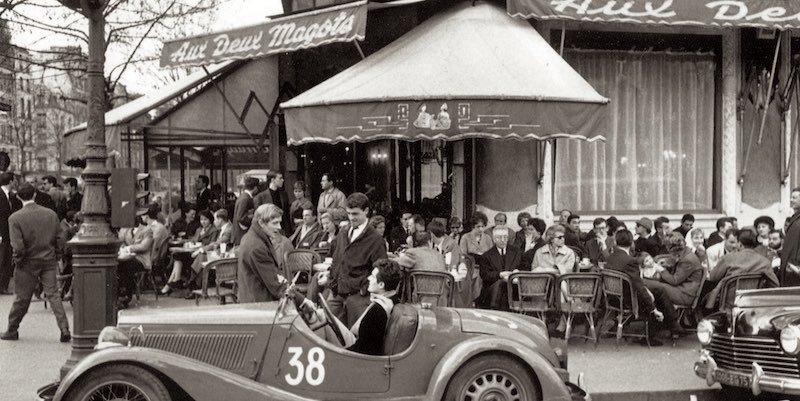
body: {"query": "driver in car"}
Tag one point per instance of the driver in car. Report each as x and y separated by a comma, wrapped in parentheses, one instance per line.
(366, 335)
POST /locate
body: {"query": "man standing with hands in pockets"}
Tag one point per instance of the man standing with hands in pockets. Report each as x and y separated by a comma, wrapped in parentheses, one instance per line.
(34, 233)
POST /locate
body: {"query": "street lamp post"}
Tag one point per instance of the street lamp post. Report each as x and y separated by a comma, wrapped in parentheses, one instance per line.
(94, 247)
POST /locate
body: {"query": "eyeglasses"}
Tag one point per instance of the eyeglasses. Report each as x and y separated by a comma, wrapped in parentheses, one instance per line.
(559, 237)
(455, 227)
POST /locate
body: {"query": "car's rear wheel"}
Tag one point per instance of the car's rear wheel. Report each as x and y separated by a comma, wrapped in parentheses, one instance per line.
(492, 377)
(121, 383)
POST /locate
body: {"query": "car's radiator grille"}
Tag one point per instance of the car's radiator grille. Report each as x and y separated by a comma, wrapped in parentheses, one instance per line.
(739, 353)
(224, 350)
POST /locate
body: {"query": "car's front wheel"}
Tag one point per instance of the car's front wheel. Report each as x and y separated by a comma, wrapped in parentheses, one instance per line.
(492, 377)
(119, 382)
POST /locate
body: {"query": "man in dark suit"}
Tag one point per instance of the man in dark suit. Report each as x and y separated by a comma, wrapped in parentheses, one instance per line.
(34, 238)
(74, 198)
(308, 234)
(242, 211)
(723, 225)
(399, 234)
(8, 205)
(495, 265)
(204, 197)
(275, 195)
(622, 261)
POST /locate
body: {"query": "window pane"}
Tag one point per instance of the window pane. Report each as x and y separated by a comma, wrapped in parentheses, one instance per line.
(660, 143)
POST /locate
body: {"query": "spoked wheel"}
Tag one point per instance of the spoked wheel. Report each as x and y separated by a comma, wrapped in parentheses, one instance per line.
(492, 378)
(119, 383)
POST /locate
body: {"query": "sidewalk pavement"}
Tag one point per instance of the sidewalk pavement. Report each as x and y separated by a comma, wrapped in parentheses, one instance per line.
(632, 372)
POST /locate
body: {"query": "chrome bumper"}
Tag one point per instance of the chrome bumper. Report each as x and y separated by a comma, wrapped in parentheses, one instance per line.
(760, 382)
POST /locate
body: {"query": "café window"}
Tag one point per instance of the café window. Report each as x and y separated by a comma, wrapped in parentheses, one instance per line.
(659, 148)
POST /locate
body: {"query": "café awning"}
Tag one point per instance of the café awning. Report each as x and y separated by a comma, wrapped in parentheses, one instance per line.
(773, 14)
(469, 72)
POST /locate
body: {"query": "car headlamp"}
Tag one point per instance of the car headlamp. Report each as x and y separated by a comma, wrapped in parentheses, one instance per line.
(111, 336)
(705, 330)
(790, 339)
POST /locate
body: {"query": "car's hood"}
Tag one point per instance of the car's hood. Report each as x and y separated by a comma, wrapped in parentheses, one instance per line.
(765, 312)
(236, 314)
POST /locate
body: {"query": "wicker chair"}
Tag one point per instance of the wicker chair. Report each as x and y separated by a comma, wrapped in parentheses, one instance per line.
(431, 287)
(225, 284)
(532, 293)
(303, 261)
(579, 293)
(622, 302)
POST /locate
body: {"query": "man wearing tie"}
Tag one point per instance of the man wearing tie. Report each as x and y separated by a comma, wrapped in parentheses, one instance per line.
(308, 234)
(203, 199)
(8, 205)
(501, 258)
(331, 197)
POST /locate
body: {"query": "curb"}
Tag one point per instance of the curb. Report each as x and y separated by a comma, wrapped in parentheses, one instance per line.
(687, 395)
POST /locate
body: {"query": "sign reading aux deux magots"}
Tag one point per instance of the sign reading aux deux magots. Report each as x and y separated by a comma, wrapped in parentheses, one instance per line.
(336, 24)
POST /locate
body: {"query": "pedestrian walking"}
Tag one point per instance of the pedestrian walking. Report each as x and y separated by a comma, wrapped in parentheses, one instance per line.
(8, 205)
(34, 233)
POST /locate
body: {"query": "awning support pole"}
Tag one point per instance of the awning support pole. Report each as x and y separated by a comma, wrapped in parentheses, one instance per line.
(769, 89)
(563, 34)
(358, 47)
(259, 146)
(795, 77)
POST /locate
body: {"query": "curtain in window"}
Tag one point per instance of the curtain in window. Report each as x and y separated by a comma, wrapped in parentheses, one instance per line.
(660, 145)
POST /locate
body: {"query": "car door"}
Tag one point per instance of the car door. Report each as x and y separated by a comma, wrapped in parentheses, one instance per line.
(309, 365)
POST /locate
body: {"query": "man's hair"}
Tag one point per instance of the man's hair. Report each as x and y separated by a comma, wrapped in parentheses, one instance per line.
(299, 184)
(308, 206)
(565, 210)
(747, 238)
(331, 178)
(660, 221)
(152, 211)
(205, 179)
(418, 219)
(436, 228)
(272, 174)
(71, 181)
(497, 229)
(687, 217)
(731, 231)
(222, 214)
(26, 191)
(624, 238)
(674, 242)
(572, 217)
(421, 238)
(479, 217)
(389, 273)
(266, 212)
(52, 180)
(501, 214)
(251, 183)
(358, 200)
(523, 215)
(374, 221)
(454, 220)
(337, 215)
(598, 221)
(538, 224)
(779, 232)
(6, 178)
(721, 222)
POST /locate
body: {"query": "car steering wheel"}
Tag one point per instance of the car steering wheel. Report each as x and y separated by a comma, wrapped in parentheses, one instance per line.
(330, 319)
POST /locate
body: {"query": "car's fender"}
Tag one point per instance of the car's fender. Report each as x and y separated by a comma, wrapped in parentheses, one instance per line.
(552, 385)
(203, 382)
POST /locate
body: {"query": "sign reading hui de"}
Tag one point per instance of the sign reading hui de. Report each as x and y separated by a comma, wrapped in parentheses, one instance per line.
(774, 14)
(301, 31)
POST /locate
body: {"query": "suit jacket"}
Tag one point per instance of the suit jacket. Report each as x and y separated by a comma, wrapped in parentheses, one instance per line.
(265, 197)
(713, 239)
(43, 199)
(791, 252)
(203, 199)
(257, 274)
(8, 205)
(142, 245)
(685, 278)
(422, 258)
(207, 237)
(595, 252)
(308, 241)
(352, 260)
(34, 232)
(244, 203)
(620, 261)
(650, 245)
(332, 200)
(492, 263)
(736, 263)
(397, 238)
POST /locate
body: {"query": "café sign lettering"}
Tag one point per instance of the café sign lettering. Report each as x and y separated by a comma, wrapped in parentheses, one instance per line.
(336, 24)
(778, 14)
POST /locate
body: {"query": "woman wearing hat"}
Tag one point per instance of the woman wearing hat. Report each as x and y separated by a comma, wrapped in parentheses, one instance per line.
(763, 225)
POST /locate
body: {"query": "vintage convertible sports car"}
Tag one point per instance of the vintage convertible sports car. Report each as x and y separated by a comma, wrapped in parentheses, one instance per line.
(266, 351)
(756, 345)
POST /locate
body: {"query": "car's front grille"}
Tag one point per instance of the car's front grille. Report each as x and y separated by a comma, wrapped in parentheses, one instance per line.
(224, 350)
(739, 353)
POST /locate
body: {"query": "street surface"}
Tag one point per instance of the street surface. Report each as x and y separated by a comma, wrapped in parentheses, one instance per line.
(632, 372)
